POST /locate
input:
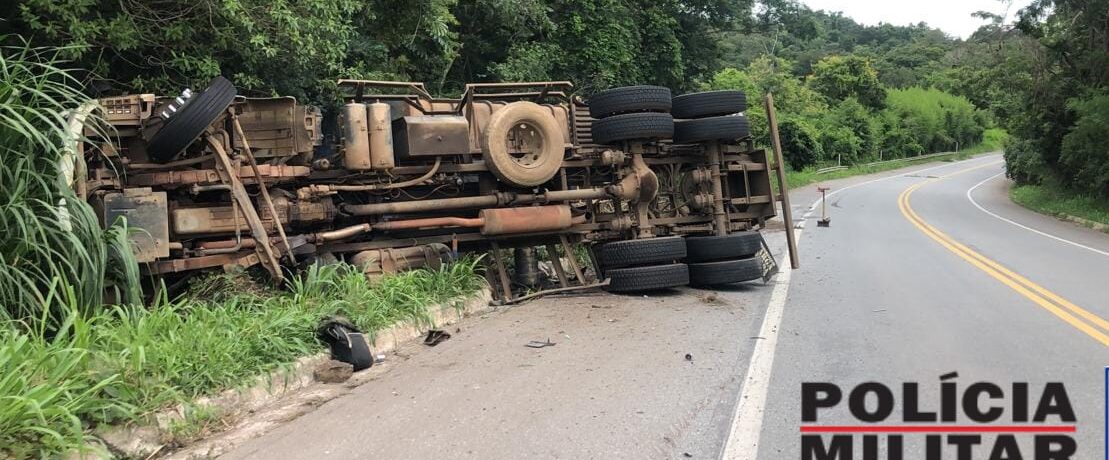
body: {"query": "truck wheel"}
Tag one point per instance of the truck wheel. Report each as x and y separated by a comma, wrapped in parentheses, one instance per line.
(629, 99)
(636, 279)
(735, 246)
(725, 272)
(711, 129)
(709, 104)
(190, 120)
(633, 126)
(642, 252)
(523, 145)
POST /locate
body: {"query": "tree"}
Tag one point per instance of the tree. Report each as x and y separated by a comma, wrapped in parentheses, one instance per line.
(840, 77)
(265, 46)
(800, 143)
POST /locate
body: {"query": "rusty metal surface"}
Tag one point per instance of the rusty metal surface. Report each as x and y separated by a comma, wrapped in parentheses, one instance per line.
(278, 126)
(506, 221)
(145, 213)
(341, 199)
(270, 173)
(430, 136)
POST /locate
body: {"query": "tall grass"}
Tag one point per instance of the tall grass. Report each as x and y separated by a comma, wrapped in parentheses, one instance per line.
(123, 363)
(50, 239)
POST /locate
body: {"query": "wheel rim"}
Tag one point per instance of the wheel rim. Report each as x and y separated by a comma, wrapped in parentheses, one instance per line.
(525, 142)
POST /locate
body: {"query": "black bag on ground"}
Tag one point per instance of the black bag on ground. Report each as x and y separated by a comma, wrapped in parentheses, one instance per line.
(348, 344)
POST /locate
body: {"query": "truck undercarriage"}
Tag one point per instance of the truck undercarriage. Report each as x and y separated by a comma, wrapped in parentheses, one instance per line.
(214, 180)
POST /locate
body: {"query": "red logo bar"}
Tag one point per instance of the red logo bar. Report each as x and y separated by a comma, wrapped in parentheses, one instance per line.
(938, 429)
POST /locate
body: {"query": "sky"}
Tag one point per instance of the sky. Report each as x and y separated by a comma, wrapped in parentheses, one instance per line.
(951, 16)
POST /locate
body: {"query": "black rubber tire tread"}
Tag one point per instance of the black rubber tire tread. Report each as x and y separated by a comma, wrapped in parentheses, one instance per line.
(633, 126)
(190, 120)
(723, 128)
(725, 272)
(734, 246)
(630, 99)
(638, 279)
(709, 104)
(629, 253)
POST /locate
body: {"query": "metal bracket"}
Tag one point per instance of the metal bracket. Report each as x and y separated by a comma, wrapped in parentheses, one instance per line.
(258, 229)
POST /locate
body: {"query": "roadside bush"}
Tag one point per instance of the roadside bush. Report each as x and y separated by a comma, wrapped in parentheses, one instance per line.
(1083, 160)
(1023, 161)
(937, 120)
(800, 143)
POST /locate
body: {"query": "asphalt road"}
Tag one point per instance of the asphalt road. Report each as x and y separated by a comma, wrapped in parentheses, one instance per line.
(911, 281)
(616, 384)
(878, 299)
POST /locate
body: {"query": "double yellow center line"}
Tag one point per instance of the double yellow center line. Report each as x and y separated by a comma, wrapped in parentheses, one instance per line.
(1085, 321)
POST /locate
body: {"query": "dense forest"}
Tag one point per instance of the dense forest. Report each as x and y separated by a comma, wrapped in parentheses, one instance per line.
(847, 92)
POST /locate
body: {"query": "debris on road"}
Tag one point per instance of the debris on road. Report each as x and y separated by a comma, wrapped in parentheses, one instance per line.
(333, 371)
(435, 337)
(347, 343)
(538, 344)
(710, 298)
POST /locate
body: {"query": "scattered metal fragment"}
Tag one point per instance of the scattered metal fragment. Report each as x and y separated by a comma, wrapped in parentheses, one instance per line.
(538, 344)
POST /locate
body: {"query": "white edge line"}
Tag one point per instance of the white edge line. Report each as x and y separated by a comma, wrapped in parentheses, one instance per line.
(1056, 238)
(743, 438)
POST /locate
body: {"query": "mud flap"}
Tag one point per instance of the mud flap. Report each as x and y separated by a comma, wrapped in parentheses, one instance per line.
(769, 265)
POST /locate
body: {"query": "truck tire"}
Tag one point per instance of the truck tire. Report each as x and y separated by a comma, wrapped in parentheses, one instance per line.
(730, 127)
(638, 279)
(709, 104)
(633, 126)
(735, 246)
(629, 253)
(725, 272)
(629, 99)
(528, 127)
(190, 120)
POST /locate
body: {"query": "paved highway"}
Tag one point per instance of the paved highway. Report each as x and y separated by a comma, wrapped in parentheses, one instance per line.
(923, 272)
(927, 273)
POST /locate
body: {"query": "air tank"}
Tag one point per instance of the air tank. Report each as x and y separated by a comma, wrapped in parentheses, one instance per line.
(381, 137)
(356, 138)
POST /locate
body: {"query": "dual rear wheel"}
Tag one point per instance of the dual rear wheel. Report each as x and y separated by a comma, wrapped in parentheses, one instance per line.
(659, 263)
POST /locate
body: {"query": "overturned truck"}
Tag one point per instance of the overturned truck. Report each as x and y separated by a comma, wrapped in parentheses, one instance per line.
(662, 190)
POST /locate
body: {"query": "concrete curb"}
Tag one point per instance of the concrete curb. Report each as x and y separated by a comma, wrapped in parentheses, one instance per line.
(293, 386)
(1085, 222)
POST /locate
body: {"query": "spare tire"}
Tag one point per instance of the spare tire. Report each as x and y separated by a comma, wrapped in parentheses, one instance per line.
(627, 253)
(725, 272)
(735, 246)
(724, 128)
(629, 99)
(709, 104)
(633, 126)
(523, 145)
(637, 279)
(191, 120)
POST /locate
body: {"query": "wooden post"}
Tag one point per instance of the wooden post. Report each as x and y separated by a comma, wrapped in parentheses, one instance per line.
(783, 187)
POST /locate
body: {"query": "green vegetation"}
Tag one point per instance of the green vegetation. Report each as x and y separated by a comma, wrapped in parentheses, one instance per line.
(1061, 202)
(993, 140)
(1045, 80)
(123, 363)
(53, 253)
(300, 47)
